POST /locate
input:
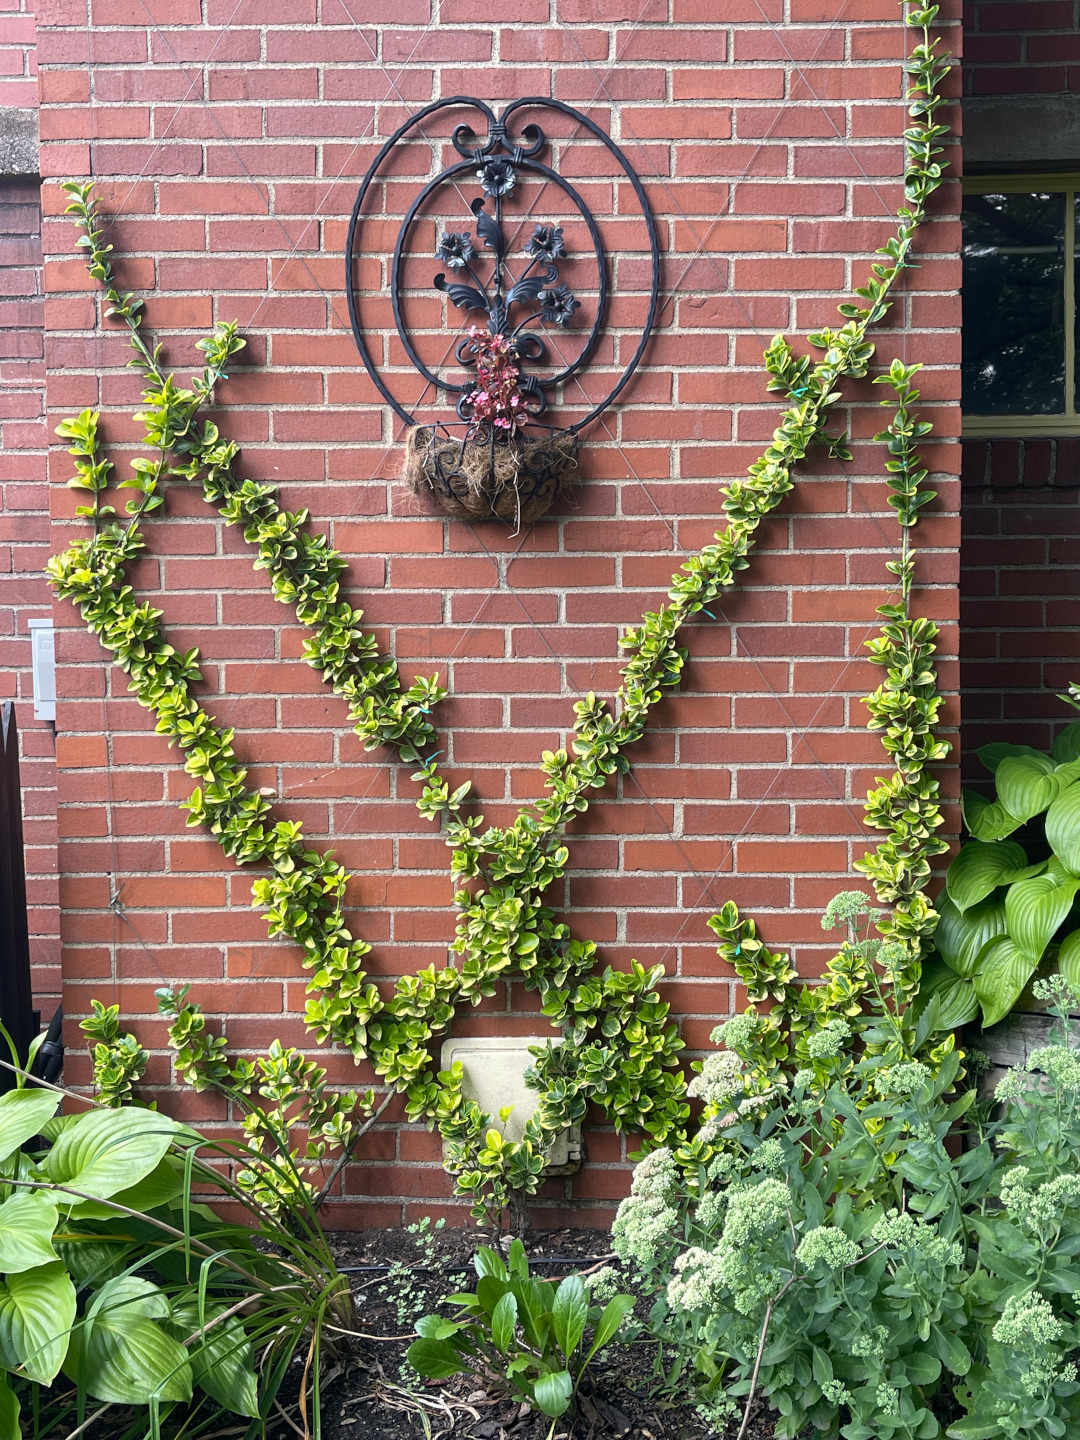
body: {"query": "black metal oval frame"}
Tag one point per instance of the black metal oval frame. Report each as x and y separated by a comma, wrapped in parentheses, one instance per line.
(523, 157)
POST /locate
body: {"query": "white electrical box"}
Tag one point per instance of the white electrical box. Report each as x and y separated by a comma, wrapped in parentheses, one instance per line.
(494, 1076)
(43, 662)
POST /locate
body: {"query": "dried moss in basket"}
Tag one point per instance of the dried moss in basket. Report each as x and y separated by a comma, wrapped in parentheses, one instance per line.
(512, 477)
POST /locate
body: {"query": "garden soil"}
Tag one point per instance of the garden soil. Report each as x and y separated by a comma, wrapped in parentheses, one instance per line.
(397, 1278)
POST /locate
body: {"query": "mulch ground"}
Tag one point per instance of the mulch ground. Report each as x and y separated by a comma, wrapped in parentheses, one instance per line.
(377, 1396)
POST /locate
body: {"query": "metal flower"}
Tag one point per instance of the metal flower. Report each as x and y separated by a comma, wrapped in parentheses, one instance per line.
(455, 249)
(547, 240)
(498, 177)
(558, 305)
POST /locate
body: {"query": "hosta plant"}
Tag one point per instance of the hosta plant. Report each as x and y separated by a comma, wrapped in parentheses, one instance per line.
(120, 1291)
(1009, 906)
(534, 1337)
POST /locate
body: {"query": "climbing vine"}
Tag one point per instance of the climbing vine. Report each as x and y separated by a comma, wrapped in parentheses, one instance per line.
(626, 1048)
(866, 974)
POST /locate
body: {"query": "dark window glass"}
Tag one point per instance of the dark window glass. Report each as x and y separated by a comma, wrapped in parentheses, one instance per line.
(1014, 301)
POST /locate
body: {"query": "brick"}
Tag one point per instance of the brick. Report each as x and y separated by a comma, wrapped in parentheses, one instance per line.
(698, 122)
(472, 12)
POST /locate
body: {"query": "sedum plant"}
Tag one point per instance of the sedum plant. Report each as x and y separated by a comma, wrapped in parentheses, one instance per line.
(534, 1337)
(1006, 911)
(841, 1257)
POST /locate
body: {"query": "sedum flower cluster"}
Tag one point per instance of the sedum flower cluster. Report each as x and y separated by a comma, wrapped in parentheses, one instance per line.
(834, 1252)
(648, 1218)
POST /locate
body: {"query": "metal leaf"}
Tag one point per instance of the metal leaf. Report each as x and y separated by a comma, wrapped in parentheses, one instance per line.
(489, 229)
(527, 289)
(465, 297)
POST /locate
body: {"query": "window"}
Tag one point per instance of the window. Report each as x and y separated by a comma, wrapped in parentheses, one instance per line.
(1020, 322)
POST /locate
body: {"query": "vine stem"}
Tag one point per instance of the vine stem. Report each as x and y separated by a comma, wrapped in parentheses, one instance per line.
(347, 1151)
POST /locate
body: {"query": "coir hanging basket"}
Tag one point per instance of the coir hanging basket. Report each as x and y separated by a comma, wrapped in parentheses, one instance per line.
(516, 478)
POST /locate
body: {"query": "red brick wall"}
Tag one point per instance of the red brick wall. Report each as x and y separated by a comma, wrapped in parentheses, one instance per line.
(18, 66)
(1019, 587)
(24, 545)
(228, 143)
(1021, 47)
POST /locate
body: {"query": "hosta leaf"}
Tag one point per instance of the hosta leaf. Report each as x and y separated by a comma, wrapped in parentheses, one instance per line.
(1026, 784)
(569, 1314)
(553, 1392)
(1067, 744)
(986, 820)
(221, 1358)
(37, 1311)
(22, 1114)
(107, 1151)
(164, 1183)
(1034, 909)
(980, 868)
(434, 1359)
(1063, 828)
(27, 1222)
(992, 755)
(9, 1412)
(120, 1352)
(1001, 979)
(1057, 871)
(91, 1260)
(1069, 958)
(953, 996)
(959, 938)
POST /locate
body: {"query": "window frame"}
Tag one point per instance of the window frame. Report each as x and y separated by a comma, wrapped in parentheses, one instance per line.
(985, 427)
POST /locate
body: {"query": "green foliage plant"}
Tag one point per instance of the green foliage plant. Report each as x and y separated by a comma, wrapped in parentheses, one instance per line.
(118, 1058)
(533, 1337)
(842, 1257)
(878, 966)
(1006, 909)
(120, 1289)
(627, 1052)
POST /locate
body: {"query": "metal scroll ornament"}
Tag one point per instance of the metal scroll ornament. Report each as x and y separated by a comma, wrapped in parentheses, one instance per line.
(503, 455)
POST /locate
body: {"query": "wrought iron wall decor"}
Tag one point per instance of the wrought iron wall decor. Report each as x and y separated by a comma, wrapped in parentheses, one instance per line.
(502, 455)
